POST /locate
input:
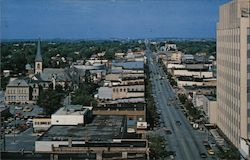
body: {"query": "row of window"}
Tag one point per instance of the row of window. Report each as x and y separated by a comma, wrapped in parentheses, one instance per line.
(14, 91)
(42, 123)
(127, 89)
(14, 98)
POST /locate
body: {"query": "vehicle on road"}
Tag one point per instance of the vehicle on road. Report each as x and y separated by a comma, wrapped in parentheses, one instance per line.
(210, 152)
(18, 107)
(27, 109)
(195, 125)
(178, 123)
(168, 131)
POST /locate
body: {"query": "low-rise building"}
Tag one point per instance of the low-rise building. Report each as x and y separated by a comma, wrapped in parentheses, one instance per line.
(71, 115)
(41, 124)
(208, 105)
(195, 74)
(105, 136)
(17, 91)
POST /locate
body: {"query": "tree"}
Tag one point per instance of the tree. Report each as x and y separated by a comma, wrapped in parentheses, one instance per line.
(87, 76)
(157, 146)
(84, 94)
(50, 100)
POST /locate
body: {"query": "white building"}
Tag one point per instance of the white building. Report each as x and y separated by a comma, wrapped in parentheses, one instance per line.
(71, 115)
(208, 105)
(195, 74)
(41, 124)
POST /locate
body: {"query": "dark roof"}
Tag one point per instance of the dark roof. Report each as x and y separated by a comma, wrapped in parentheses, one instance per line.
(38, 52)
(103, 128)
(18, 83)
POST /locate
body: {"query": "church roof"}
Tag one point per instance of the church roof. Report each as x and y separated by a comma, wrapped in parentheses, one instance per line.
(18, 83)
(38, 52)
(58, 73)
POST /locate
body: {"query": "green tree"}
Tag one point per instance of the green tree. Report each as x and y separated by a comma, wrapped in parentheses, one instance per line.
(157, 147)
(50, 100)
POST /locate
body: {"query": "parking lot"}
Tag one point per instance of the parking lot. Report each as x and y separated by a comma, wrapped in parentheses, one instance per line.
(16, 130)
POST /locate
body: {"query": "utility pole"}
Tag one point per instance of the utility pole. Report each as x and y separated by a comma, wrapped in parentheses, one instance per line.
(14, 135)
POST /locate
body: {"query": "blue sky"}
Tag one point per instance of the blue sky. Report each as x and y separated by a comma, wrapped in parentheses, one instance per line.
(80, 19)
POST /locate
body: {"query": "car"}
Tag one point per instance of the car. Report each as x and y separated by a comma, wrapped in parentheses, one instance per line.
(203, 155)
(210, 152)
(171, 153)
(168, 131)
(178, 123)
(18, 107)
(27, 109)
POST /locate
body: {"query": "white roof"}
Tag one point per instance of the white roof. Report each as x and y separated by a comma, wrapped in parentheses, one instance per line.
(105, 93)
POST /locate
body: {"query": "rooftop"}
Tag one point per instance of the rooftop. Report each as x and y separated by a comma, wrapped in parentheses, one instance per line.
(18, 83)
(72, 110)
(105, 93)
(102, 129)
(59, 74)
(211, 98)
(129, 65)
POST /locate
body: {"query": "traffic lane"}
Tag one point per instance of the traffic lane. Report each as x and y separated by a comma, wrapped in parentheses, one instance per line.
(176, 129)
(180, 139)
(186, 140)
(183, 147)
(197, 140)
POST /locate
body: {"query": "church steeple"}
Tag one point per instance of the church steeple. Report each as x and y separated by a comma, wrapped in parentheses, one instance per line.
(38, 59)
(38, 52)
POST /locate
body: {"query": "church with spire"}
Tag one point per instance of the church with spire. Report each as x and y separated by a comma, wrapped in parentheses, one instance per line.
(46, 76)
(38, 59)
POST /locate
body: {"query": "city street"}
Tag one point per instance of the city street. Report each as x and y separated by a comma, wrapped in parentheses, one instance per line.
(184, 140)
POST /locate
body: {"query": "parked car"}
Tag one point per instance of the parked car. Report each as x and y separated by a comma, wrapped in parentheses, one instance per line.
(27, 109)
(18, 107)
(210, 152)
(178, 123)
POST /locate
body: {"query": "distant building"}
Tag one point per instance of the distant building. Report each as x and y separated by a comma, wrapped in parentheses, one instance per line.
(187, 58)
(119, 55)
(6, 73)
(170, 46)
(17, 91)
(176, 56)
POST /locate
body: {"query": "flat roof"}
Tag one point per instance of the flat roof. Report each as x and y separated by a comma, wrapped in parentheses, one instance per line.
(211, 98)
(71, 110)
(102, 129)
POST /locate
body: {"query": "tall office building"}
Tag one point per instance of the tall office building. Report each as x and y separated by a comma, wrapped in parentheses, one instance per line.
(233, 73)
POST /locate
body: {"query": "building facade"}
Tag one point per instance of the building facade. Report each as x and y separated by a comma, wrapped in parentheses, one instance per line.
(233, 71)
(17, 91)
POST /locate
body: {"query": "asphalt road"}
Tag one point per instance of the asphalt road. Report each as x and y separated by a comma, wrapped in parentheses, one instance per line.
(184, 140)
